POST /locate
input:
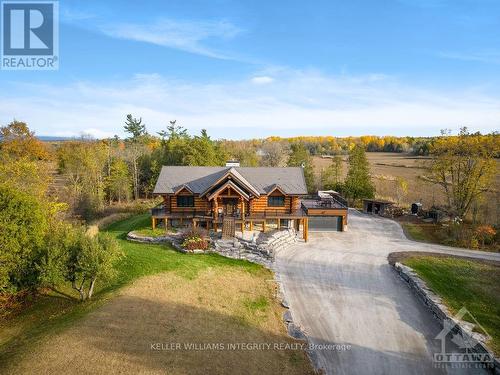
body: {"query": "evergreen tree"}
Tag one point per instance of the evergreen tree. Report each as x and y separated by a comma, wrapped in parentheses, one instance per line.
(173, 131)
(300, 157)
(332, 176)
(358, 183)
(136, 148)
(134, 126)
(202, 150)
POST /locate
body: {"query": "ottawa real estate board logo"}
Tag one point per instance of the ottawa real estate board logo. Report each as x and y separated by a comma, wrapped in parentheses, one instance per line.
(30, 35)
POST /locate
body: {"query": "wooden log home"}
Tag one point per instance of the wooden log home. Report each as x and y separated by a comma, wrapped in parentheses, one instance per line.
(250, 198)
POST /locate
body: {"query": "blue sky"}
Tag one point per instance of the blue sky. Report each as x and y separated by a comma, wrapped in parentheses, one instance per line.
(258, 68)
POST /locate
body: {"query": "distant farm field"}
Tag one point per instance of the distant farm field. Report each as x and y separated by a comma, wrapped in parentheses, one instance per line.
(386, 167)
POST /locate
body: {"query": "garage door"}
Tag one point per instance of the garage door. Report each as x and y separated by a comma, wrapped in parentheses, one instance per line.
(325, 223)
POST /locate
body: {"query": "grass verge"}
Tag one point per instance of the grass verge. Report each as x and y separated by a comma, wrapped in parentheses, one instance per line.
(422, 232)
(468, 283)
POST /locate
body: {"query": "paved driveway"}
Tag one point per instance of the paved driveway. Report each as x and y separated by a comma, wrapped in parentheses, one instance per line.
(341, 290)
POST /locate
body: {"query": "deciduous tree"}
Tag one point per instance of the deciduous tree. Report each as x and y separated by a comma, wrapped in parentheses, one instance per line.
(23, 224)
(91, 258)
(275, 154)
(17, 141)
(464, 167)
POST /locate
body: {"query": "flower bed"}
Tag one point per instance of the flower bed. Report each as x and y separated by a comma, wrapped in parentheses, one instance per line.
(195, 239)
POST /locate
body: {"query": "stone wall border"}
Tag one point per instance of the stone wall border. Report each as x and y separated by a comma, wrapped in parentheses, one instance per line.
(173, 240)
(441, 313)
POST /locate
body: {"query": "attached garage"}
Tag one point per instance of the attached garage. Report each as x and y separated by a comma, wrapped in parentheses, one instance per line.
(325, 215)
(325, 223)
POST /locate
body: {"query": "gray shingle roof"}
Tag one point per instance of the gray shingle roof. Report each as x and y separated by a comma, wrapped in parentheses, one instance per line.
(199, 179)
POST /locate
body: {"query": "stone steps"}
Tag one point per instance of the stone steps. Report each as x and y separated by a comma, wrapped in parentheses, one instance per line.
(259, 251)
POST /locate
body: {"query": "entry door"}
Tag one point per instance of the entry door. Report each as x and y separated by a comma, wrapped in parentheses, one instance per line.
(230, 206)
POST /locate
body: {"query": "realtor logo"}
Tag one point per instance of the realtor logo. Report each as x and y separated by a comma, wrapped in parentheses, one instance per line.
(467, 353)
(30, 35)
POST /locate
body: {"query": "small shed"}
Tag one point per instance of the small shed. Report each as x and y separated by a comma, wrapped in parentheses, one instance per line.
(416, 208)
(376, 206)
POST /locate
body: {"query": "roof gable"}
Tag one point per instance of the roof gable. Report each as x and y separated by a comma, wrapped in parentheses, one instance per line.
(232, 185)
(233, 173)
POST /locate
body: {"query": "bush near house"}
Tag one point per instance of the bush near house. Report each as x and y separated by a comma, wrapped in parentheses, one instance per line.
(195, 239)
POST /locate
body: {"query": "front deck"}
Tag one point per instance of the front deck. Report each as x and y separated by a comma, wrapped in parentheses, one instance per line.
(247, 221)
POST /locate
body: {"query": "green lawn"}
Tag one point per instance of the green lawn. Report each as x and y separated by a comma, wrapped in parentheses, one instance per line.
(422, 232)
(51, 312)
(143, 228)
(475, 285)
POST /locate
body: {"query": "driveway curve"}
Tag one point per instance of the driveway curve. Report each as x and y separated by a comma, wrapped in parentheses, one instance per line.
(341, 290)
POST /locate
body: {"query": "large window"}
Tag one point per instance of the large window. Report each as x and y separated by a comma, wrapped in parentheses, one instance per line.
(276, 201)
(185, 201)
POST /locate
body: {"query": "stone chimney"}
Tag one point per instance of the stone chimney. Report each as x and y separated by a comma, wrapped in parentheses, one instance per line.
(232, 163)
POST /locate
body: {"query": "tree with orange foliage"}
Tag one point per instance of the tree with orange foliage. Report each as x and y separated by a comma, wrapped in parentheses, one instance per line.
(17, 141)
(485, 233)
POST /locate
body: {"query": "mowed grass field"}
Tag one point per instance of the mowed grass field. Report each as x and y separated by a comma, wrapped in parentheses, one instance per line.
(165, 312)
(386, 167)
(464, 283)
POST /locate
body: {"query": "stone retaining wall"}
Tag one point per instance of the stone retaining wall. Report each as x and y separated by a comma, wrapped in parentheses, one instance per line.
(435, 304)
(173, 240)
(132, 236)
(260, 250)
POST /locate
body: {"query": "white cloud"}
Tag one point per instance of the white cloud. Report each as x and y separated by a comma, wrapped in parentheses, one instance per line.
(489, 57)
(262, 80)
(298, 102)
(188, 36)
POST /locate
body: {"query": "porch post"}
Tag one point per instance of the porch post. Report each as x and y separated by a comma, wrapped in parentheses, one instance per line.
(242, 210)
(153, 222)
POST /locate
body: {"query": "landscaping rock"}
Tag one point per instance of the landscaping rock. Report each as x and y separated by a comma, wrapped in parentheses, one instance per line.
(257, 249)
(287, 316)
(132, 236)
(295, 332)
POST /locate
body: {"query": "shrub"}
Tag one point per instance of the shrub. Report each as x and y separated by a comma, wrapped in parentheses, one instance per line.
(195, 238)
(195, 232)
(474, 243)
(485, 234)
(194, 243)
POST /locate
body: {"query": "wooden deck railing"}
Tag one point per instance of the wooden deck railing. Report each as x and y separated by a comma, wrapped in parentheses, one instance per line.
(160, 211)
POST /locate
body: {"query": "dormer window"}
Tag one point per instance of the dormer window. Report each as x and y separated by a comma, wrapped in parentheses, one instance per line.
(185, 201)
(276, 201)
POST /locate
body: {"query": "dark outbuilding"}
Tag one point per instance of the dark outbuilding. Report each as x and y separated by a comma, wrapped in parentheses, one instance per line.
(376, 206)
